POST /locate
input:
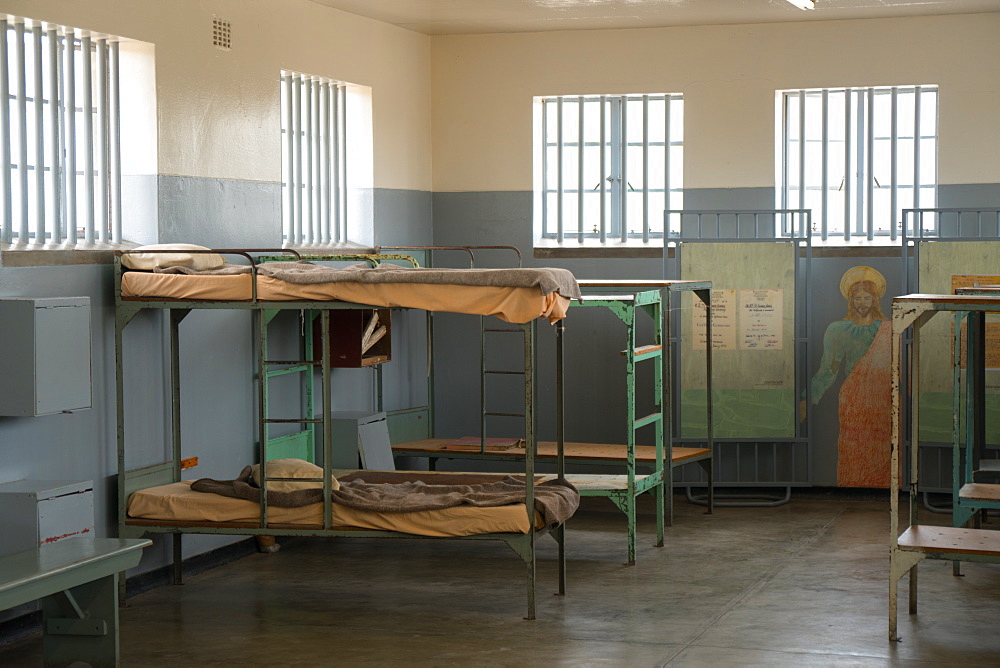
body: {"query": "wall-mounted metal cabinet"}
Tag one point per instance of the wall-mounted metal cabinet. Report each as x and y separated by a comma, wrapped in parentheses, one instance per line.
(46, 350)
(39, 512)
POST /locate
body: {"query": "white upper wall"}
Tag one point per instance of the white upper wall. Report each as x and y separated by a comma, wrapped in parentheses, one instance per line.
(218, 111)
(483, 88)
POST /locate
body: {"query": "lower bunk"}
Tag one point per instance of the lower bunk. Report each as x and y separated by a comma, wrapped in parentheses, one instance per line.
(614, 487)
(176, 508)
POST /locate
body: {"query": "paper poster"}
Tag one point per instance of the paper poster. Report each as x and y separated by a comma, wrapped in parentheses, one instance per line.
(723, 321)
(761, 319)
(992, 328)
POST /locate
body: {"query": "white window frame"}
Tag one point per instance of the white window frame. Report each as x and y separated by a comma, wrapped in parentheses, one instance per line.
(609, 204)
(60, 148)
(888, 162)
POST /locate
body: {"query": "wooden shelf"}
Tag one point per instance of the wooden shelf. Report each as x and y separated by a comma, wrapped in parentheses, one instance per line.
(949, 540)
(980, 491)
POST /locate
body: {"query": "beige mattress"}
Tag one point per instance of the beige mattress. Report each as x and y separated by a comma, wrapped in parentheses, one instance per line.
(177, 502)
(517, 305)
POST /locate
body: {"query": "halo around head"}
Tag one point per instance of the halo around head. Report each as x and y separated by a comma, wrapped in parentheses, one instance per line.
(862, 273)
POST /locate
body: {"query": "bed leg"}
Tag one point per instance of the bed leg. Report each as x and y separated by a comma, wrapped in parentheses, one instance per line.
(530, 563)
(560, 535)
(178, 560)
(267, 544)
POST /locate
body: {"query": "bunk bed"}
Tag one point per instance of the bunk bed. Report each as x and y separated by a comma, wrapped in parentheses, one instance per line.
(268, 283)
(624, 298)
(918, 542)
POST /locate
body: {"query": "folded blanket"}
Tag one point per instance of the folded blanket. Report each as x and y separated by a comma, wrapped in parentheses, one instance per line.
(555, 500)
(547, 279)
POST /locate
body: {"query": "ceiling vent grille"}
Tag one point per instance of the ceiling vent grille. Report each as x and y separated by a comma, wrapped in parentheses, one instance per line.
(222, 33)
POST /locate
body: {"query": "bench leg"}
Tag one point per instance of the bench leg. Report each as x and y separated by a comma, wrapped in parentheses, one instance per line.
(68, 638)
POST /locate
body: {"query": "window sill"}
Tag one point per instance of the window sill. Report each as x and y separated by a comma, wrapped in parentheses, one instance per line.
(342, 248)
(549, 248)
(30, 255)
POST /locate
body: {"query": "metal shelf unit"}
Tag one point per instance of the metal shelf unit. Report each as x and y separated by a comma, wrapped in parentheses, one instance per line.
(918, 542)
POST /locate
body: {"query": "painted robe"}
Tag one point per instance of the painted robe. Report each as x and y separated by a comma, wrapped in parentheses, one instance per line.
(864, 401)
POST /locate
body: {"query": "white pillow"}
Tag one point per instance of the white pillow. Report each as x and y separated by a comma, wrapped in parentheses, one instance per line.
(292, 468)
(149, 259)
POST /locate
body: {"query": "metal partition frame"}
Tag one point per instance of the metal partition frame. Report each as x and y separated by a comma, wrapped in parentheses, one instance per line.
(933, 224)
(751, 227)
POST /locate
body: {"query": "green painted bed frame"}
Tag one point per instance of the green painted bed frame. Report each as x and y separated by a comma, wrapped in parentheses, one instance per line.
(170, 471)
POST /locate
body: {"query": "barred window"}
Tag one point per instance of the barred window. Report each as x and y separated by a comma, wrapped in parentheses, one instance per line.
(314, 115)
(858, 156)
(608, 165)
(59, 135)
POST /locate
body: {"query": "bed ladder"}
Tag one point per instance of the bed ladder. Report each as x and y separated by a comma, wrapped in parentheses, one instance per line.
(299, 444)
(625, 308)
(486, 372)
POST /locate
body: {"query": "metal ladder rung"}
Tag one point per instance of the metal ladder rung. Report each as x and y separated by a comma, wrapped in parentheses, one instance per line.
(509, 331)
(287, 371)
(649, 419)
(293, 362)
(521, 415)
(294, 420)
(510, 373)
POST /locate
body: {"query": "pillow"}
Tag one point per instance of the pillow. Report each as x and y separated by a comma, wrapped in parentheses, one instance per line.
(149, 259)
(291, 468)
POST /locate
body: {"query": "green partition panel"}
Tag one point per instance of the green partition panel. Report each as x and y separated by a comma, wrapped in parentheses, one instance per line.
(753, 296)
(937, 263)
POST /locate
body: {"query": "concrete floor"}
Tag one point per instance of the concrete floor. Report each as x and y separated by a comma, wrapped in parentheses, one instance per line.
(804, 584)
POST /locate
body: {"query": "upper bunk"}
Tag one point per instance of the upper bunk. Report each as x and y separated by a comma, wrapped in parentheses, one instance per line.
(286, 279)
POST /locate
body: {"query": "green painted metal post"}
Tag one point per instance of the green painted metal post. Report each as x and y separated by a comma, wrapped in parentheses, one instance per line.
(659, 398)
(327, 423)
(175, 318)
(629, 317)
(262, 409)
(530, 450)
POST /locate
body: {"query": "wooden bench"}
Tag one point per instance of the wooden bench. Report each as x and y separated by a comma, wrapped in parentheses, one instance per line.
(77, 580)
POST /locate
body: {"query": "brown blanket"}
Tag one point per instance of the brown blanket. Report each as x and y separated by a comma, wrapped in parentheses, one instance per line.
(547, 279)
(555, 500)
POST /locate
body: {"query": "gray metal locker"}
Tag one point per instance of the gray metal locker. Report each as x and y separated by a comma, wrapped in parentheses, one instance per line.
(46, 344)
(361, 440)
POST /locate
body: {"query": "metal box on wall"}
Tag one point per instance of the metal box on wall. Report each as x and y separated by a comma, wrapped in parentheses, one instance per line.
(47, 343)
(37, 512)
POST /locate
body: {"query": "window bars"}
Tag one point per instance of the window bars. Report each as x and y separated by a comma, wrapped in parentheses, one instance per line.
(314, 159)
(858, 156)
(59, 136)
(607, 161)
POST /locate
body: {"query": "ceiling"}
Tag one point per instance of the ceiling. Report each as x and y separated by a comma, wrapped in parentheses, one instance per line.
(443, 17)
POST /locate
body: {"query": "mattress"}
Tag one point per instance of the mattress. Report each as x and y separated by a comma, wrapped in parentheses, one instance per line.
(511, 304)
(177, 502)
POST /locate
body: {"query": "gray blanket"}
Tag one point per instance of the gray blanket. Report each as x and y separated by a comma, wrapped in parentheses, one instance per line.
(555, 500)
(547, 279)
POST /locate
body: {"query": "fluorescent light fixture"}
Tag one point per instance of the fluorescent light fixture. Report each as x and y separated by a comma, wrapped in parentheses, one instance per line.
(804, 4)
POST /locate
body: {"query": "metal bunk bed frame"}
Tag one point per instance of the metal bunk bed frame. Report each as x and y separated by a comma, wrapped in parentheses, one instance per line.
(651, 296)
(169, 472)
